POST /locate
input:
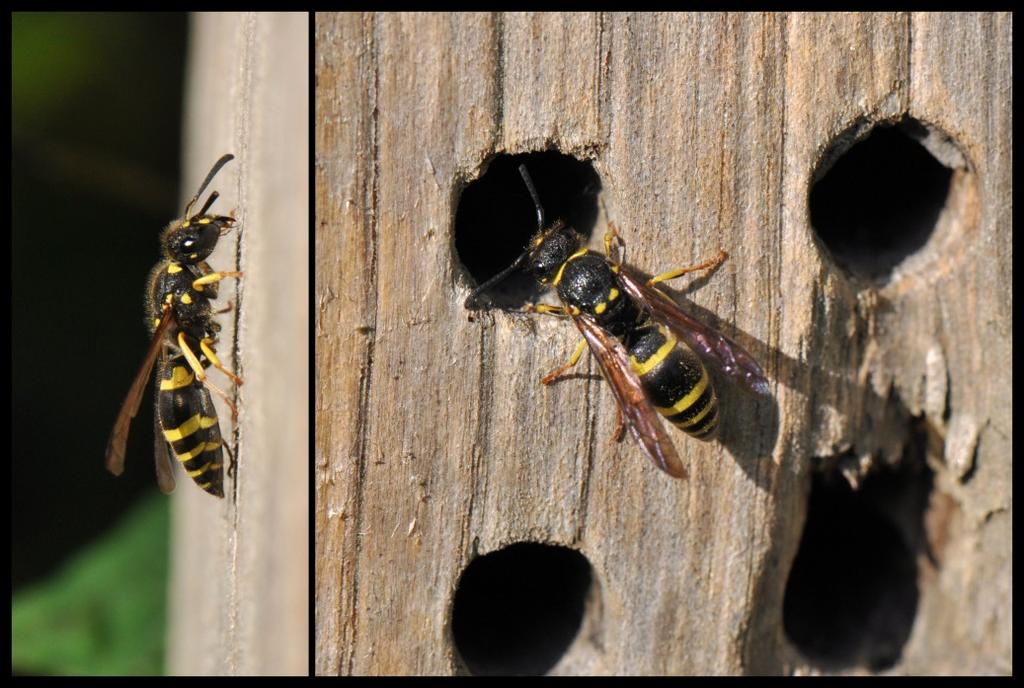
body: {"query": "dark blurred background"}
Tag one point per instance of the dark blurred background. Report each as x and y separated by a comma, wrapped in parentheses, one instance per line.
(96, 116)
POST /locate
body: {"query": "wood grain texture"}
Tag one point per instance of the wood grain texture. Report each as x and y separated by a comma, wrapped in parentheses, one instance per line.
(436, 444)
(240, 578)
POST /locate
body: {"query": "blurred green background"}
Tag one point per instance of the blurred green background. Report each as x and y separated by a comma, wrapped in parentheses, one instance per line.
(96, 109)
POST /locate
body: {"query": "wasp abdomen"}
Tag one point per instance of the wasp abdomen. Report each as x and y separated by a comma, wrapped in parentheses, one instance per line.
(675, 381)
(189, 423)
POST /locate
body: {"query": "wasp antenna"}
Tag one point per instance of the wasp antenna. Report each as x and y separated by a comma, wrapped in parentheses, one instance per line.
(224, 160)
(209, 201)
(533, 194)
(471, 300)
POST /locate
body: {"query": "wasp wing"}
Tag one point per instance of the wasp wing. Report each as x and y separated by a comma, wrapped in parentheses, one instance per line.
(164, 470)
(119, 435)
(644, 422)
(715, 348)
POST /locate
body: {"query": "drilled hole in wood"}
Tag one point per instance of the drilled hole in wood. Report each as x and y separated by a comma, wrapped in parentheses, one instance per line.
(878, 199)
(495, 217)
(516, 611)
(852, 594)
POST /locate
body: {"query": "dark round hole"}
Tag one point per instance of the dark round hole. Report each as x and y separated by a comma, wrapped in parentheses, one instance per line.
(852, 594)
(496, 217)
(517, 610)
(880, 200)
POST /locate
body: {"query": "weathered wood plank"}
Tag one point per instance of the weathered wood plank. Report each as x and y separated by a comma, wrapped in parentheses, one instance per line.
(435, 443)
(240, 577)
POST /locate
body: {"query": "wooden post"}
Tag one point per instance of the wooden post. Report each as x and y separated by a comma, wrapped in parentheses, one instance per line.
(435, 442)
(239, 589)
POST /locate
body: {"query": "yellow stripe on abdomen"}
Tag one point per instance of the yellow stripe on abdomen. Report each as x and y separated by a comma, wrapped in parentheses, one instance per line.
(641, 368)
(180, 377)
(688, 399)
(187, 428)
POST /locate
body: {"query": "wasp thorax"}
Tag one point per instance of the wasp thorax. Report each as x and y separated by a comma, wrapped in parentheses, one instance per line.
(550, 249)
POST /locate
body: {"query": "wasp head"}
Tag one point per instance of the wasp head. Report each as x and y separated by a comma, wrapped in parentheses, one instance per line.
(192, 240)
(550, 248)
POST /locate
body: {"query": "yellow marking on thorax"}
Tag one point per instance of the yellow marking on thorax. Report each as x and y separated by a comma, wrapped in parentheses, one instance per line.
(174, 268)
(186, 299)
(613, 294)
(558, 277)
(689, 400)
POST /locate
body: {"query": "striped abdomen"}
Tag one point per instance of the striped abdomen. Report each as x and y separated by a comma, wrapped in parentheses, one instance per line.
(675, 380)
(189, 423)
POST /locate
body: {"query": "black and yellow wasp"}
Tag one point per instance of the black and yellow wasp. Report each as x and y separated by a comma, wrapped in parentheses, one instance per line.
(181, 320)
(648, 349)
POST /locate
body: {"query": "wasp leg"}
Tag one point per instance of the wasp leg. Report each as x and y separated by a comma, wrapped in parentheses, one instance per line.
(231, 463)
(679, 272)
(211, 355)
(612, 235)
(545, 309)
(190, 356)
(555, 374)
(224, 397)
(212, 278)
